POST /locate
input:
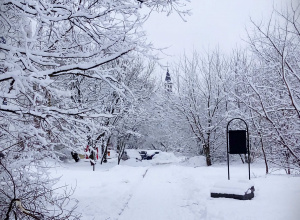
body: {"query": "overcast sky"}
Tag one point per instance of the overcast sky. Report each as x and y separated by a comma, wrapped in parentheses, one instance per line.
(213, 23)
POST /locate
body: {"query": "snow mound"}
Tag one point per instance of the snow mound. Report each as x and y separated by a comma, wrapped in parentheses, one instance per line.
(166, 158)
(197, 161)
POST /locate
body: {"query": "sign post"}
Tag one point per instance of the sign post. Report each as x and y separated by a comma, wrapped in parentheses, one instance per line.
(237, 143)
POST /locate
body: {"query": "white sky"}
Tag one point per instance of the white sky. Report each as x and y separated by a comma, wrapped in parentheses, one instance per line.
(213, 23)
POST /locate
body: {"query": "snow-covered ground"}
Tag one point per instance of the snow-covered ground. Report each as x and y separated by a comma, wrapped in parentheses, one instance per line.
(175, 188)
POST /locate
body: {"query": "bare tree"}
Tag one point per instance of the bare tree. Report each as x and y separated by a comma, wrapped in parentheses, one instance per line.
(274, 83)
(201, 99)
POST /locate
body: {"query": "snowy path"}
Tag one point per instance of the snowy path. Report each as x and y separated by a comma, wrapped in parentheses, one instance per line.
(154, 190)
(165, 193)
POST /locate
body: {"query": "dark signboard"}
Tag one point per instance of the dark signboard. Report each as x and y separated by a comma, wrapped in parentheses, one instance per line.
(237, 142)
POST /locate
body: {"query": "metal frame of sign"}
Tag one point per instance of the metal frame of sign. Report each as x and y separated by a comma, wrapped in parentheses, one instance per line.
(247, 143)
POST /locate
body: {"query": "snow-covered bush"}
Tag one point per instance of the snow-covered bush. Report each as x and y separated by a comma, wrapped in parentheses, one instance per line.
(53, 56)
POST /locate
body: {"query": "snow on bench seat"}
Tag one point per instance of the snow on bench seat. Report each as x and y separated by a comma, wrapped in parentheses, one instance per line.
(242, 190)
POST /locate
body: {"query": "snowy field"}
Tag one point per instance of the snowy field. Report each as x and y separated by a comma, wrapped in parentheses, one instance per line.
(175, 188)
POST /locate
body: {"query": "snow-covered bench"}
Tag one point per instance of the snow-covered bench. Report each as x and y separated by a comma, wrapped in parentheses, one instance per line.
(242, 190)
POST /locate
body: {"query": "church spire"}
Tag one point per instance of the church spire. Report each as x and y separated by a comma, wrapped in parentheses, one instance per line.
(168, 82)
(168, 77)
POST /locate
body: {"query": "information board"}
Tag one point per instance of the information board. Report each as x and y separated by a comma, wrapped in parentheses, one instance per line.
(237, 142)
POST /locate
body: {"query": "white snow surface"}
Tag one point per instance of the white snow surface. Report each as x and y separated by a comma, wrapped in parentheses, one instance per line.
(174, 187)
(236, 187)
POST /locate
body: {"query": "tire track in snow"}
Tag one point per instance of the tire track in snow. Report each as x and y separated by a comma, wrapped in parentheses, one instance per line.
(130, 196)
(125, 205)
(145, 173)
(167, 192)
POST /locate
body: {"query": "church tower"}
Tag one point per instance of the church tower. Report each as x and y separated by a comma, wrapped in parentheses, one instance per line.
(168, 82)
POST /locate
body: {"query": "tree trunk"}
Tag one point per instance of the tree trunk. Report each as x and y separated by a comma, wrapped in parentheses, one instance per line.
(104, 151)
(288, 169)
(207, 154)
(122, 149)
(264, 153)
